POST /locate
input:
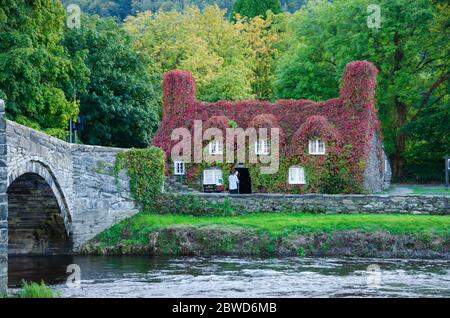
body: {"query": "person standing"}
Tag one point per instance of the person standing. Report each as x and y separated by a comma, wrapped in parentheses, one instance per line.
(233, 182)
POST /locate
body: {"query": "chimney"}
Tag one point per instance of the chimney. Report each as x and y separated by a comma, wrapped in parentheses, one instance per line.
(358, 85)
(179, 92)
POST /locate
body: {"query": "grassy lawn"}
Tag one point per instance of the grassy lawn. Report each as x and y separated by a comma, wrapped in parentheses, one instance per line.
(431, 191)
(138, 227)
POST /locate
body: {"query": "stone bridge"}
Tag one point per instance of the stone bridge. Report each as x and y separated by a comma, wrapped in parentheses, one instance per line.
(54, 196)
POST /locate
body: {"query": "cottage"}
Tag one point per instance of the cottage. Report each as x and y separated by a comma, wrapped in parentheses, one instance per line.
(333, 146)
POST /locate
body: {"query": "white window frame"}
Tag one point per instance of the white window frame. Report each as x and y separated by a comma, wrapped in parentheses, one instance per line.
(317, 147)
(215, 147)
(296, 175)
(179, 168)
(262, 147)
(214, 178)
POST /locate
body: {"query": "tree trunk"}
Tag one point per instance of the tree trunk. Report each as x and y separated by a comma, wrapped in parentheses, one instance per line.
(400, 140)
(401, 112)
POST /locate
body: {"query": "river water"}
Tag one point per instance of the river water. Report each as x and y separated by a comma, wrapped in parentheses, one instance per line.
(136, 276)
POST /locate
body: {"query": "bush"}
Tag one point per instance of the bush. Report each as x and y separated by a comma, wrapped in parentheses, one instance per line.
(35, 290)
(145, 167)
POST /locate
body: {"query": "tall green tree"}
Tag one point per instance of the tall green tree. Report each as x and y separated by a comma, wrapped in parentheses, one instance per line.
(253, 8)
(265, 38)
(34, 66)
(410, 48)
(119, 105)
(212, 48)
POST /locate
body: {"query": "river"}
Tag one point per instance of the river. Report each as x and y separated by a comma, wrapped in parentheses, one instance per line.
(136, 276)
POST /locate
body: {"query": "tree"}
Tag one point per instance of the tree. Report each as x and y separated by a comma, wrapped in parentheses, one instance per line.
(292, 5)
(253, 8)
(264, 36)
(411, 50)
(212, 48)
(34, 66)
(119, 104)
(119, 9)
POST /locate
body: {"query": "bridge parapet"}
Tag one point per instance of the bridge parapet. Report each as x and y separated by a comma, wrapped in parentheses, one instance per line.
(100, 197)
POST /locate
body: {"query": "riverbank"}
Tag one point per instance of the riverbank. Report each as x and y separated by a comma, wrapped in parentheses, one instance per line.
(317, 235)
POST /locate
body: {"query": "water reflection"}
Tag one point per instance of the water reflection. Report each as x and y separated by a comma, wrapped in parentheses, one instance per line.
(132, 276)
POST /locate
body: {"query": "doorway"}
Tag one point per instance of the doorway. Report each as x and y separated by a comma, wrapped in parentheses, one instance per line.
(245, 181)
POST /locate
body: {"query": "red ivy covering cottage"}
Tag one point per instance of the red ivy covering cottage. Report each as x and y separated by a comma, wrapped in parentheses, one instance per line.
(348, 123)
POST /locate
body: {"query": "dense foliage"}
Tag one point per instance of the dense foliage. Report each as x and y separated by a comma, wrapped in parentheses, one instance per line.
(265, 36)
(37, 290)
(145, 168)
(253, 8)
(119, 103)
(112, 71)
(122, 8)
(411, 51)
(104, 8)
(205, 43)
(34, 66)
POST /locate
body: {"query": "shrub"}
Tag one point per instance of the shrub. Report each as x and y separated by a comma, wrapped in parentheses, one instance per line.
(35, 290)
(145, 167)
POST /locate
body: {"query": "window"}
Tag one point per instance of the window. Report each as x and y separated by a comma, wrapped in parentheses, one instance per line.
(262, 147)
(215, 148)
(296, 175)
(316, 147)
(212, 177)
(179, 168)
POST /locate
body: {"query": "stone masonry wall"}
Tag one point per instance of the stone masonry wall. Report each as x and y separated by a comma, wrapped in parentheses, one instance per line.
(31, 151)
(100, 198)
(35, 223)
(319, 203)
(374, 179)
(89, 197)
(3, 203)
(81, 177)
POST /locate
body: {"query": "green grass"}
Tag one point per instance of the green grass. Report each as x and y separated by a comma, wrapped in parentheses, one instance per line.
(35, 290)
(136, 229)
(431, 191)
